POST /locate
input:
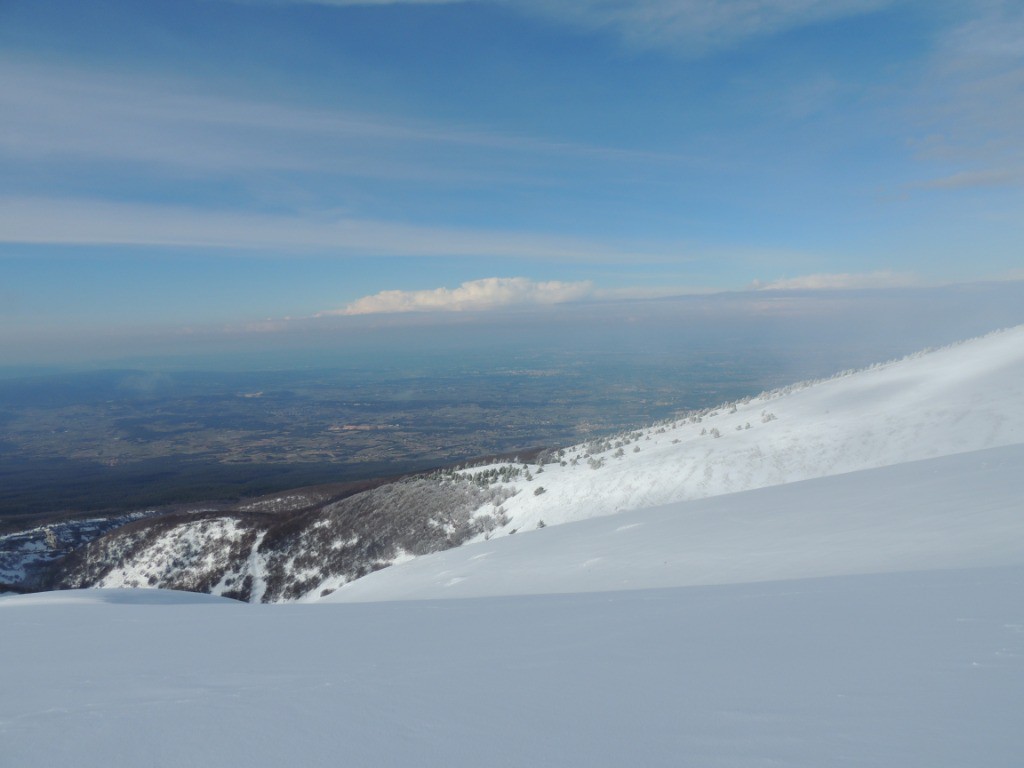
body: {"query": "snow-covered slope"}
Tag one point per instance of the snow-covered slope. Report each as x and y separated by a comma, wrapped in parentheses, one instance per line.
(921, 670)
(961, 398)
(28, 551)
(276, 557)
(965, 510)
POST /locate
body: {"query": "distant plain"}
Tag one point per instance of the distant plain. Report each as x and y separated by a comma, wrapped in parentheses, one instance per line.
(389, 398)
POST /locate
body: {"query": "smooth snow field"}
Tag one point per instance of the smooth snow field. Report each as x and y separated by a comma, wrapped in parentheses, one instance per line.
(914, 669)
(871, 614)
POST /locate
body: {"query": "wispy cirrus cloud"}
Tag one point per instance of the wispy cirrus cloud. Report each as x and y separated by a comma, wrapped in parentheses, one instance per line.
(64, 113)
(975, 179)
(473, 295)
(970, 105)
(61, 221)
(842, 280)
(696, 27)
(688, 27)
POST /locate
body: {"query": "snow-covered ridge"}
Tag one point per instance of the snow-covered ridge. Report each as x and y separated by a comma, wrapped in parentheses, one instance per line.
(959, 511)
(964, 397)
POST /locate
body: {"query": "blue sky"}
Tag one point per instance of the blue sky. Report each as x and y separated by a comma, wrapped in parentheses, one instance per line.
(235, 166)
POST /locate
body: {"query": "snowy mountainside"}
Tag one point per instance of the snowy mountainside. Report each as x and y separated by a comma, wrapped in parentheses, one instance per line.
(958, 399)
(25, 554)
(966, 397)
(264, 557)
(960, 511)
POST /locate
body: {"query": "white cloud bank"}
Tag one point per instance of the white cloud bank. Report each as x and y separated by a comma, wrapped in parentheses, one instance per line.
(488, 293)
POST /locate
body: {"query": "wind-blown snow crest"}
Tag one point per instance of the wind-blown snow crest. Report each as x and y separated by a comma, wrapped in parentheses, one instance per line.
(962, 398)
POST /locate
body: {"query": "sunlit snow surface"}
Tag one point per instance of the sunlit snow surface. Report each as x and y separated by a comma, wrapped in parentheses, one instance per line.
(957, 511)
(922, 669)
(874, 618)
(966, 397)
